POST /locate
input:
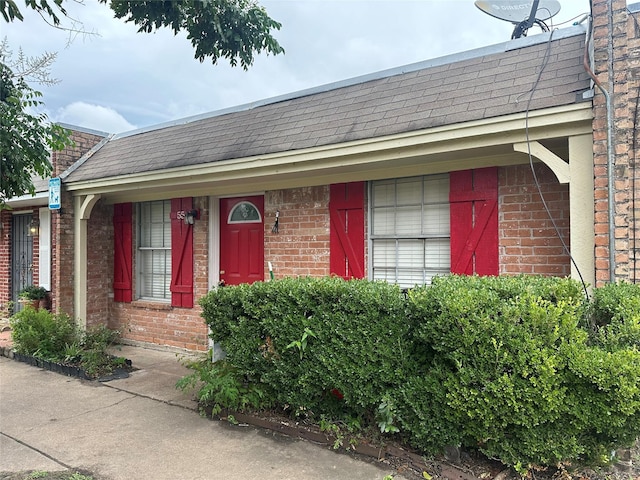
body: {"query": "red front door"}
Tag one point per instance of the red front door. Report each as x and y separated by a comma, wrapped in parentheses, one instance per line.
(241, 240)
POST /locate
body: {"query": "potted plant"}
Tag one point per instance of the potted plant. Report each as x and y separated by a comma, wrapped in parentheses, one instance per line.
(32, 295)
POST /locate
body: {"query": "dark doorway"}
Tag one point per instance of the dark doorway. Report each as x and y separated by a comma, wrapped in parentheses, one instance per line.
(21, 256)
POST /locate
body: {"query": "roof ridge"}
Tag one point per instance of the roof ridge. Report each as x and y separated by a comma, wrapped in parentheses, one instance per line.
(85, 157)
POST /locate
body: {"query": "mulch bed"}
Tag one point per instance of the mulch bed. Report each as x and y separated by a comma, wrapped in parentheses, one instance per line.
(69, 370)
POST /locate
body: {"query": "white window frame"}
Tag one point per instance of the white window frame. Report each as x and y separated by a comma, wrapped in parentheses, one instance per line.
(432, 238)
(159, 247)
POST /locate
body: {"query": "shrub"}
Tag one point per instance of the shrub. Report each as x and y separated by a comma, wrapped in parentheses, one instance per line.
(513, 375)
(292, 335)
(94, 356)
(56, 337)
(614, 318)
(524, 369)
(43, 334)
(219, 385)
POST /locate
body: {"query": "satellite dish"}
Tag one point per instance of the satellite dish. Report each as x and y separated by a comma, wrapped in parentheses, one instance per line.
(515, 11)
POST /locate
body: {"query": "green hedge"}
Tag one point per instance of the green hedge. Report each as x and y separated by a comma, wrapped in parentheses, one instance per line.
(355, 340)
(522, 368)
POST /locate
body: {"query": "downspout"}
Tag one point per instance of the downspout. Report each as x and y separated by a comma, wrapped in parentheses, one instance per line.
(610, 154)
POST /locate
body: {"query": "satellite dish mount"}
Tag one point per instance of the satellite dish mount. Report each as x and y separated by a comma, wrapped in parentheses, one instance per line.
(521, 13)
(523, 27)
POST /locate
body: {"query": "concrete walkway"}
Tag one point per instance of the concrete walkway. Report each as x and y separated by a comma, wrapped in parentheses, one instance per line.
(143, 428)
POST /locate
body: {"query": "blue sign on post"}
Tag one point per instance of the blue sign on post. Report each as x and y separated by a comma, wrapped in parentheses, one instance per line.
(54, 193)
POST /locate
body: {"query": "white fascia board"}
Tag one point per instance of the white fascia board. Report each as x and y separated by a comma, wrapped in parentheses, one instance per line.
(39, 199)
(549, 123)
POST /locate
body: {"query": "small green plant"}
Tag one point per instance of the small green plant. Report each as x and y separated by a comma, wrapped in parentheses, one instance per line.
(341, 430)
(94, 356)
(72, 352)
(232, 419)
(9, 308)
(38, 474)
(32, 292)
(301, 344)
(79, 476)
(386, 416)
(219, 385)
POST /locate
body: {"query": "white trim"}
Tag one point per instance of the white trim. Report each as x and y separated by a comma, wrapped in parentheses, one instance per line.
(40, 198)
(214, 243)
(417, 149)
(214, 261)
(44, 253)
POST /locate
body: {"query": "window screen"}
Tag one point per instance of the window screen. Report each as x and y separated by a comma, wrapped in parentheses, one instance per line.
(410, 229)
(154, 250)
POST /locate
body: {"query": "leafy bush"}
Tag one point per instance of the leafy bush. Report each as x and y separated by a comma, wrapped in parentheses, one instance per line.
(56, 337)
(33, 292)
(220, 385)
(524, 369)
(94, 356)
(513, 375)
(43, 334)
(292, 336)
(615, 316)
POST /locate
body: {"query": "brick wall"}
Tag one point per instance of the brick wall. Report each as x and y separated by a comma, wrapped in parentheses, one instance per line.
(62, 238)
(617, 83)
(99, 264)
(301, 247)
(61, 234)
(633, 93)
(528, 242)
(160, 323)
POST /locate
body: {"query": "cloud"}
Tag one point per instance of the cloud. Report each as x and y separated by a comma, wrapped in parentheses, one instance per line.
(120, 78)
(94, 117)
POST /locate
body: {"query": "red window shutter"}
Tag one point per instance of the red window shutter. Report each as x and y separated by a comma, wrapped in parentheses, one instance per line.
(122, 252)
(473, 197)
(181, 254)
(346, 241)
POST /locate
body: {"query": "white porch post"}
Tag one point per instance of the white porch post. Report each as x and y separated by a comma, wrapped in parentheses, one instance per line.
(578, 173)
(581, 199)
(82, 209)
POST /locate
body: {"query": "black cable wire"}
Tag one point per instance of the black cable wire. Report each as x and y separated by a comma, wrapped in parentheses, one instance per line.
(545, 60)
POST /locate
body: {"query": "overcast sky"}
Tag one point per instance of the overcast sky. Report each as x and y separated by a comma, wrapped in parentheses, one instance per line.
(119, 80)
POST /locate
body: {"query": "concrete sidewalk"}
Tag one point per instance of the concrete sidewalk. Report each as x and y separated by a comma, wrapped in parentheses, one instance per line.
(143, 428)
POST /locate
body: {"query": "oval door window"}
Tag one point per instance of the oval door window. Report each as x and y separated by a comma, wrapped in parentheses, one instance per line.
(244, 212)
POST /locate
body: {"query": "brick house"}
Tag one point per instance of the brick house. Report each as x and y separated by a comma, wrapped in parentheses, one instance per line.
(494, 161)
(31, 240)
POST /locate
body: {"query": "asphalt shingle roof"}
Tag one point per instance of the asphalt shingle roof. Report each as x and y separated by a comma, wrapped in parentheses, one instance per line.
(441, 93)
